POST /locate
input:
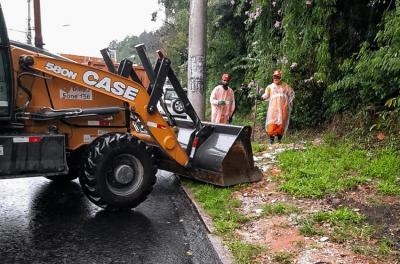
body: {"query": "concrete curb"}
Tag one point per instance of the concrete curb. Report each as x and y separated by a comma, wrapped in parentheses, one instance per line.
(223, 252)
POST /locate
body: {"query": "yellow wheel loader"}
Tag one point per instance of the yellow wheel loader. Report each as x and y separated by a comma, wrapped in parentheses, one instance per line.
(62, 120)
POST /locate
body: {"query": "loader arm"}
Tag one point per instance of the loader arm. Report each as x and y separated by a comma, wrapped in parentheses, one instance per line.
(115, 86)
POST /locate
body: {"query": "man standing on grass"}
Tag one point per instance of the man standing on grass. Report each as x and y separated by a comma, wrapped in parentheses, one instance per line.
(222, 101)
(280, 96)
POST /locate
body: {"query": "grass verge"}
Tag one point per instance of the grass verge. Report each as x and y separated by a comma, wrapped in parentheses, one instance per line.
(346, 226)
(314, 173)
(258, 147)
(327, 169)
(279, 209)
(340, 225)
(243, 252)
(283, 257)
(221, 207)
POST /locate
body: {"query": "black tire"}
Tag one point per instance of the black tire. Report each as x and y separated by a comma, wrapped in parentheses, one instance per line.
(118, 172)
(178, 107)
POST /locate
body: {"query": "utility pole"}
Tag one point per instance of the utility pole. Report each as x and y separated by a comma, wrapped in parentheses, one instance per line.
(29, 31)
(38, 24)
(197, 55)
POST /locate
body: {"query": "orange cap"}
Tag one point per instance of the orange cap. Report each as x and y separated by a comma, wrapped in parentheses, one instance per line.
(226, 77)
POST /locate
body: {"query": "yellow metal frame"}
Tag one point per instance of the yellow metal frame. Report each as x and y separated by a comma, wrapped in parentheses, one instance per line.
(119, 88)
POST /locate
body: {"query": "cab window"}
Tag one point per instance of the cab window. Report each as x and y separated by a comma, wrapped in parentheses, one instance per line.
(5, 70)
(3, 84)
(170, 95)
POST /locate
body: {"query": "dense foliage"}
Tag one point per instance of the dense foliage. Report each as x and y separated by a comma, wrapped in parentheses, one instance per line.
(370, 78)
(171, 38)
(340, 56)
(126, 47)
(322, 47)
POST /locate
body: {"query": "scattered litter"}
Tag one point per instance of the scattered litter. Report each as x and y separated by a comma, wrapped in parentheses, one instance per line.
(265, 168)
(279, 150)
(268, 156)
(255, 158)
(323, 239)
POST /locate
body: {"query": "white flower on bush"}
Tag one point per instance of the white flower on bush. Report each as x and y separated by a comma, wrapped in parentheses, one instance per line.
(252, 16)
(309, 79)
(284, 60)
(258, 12)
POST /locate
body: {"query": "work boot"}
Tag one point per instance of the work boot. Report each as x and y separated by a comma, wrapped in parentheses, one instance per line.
(271, 140)
(279, 138)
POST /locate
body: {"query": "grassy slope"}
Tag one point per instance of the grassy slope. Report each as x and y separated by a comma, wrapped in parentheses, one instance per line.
(316, 172)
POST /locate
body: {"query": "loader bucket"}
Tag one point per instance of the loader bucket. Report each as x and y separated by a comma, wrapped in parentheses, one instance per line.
(225, 158)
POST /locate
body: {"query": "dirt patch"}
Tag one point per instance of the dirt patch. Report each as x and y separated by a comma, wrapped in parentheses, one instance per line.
(279, 234)
(331, 253)
(377, 208)
(381, 211)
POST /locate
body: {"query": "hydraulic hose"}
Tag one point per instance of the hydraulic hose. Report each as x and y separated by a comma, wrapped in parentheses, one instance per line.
(25, 89)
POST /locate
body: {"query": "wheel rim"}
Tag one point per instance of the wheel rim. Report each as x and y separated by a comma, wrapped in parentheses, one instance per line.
(125, 175)
(179, 106)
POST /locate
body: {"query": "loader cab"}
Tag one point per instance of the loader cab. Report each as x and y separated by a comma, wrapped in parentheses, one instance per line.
(6, 74)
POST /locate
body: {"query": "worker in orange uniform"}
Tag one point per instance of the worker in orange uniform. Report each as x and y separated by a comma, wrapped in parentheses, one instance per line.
(280, 96)
(222, 101)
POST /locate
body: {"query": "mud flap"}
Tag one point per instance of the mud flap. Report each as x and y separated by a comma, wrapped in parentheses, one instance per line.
(225, 158)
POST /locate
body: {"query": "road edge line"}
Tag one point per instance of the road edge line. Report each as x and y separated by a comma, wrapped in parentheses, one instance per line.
(222, 250)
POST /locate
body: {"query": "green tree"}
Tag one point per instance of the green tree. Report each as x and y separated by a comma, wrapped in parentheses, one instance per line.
(370, 77)
(338, 55)
(174, 35)
(126, 47)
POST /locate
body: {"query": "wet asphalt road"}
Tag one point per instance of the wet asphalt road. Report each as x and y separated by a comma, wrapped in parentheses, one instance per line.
(45, 222)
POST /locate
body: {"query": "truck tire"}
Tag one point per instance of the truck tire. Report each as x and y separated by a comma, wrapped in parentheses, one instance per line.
(118, 172)
(177, 106)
